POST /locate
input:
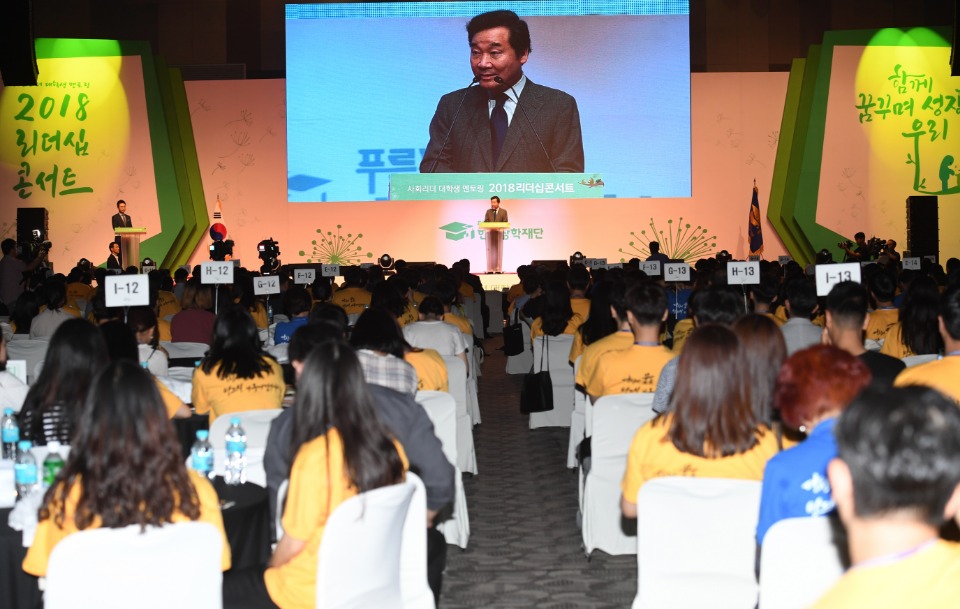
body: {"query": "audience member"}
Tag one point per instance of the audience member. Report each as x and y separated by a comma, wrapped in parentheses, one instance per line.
(194, 323)
(896, 480)
(431, 333)
(942, 374)
(380, 348)
(916, 332)
(352, 297)
(121, 470)
(236, 375)
(296, 306)
(47, 321)
(883, 288)
(711, 431)
(763, 351)
(813, 387)
(600, 321)
(556, 316)
(143, 322)
(800, 300)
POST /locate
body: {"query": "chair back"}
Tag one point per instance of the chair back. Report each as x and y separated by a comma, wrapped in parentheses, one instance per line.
(457, 384)
(256, 424)
(802, 558)
(916, 360)
(561, 377)
(185, 350)
(359, 563)
(441, 408)
(616, 419)
(520, 364)
(122, 568)
(696, 543)
(414, 585)
(32, 351)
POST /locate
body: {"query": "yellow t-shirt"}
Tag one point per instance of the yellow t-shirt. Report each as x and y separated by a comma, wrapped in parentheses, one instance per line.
(170, 400)
(653, 455)
(353, 300)
(167, 304)
(893, 343)
(460, 323)
(773, 317)
(581, 307)
(536, 329)
(880, 323)
(163, 330)
(311, 498)
(79, 291)
(515, 291)
(635, 369)
(410, 314)
(431, 370)
(49, 534)
(466, 290)
(930, 578)
(941, 374)
(618, 341)
(216, 396)
(259, 314)
(680, 333)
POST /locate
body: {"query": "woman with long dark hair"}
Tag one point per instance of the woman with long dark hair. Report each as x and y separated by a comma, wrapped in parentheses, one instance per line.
(50, 411)
(556, 315)
(236, 374)
(122, 469)
(711, 430)
(381, 348)
(764, 350)
(341, 450)
(600, 323)
(143, 322)
(917, 331)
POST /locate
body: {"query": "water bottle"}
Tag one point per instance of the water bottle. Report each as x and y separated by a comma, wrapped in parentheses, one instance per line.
(52, 464)
(236, 441)
(25, 470)
(201, 455)
(269, 313)
(11, 434)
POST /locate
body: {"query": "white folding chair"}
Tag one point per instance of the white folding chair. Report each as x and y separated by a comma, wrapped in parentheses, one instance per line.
(256, 424)
(696, 543)
(495, 304)
(414, 585)
(616, 420)
(578, 421)
(457, 383)
(441, 408)
(522, 363)
(122, 568)
(185, 349)
(33, 351)
(561, 377)
(801, 559)
(359, 561)
(916, 360)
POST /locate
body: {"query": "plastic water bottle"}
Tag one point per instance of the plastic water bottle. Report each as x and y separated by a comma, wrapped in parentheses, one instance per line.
(236, 441)
(25, 470)
(11, 434)
(52, 464)
(201, 455)
(269, 313)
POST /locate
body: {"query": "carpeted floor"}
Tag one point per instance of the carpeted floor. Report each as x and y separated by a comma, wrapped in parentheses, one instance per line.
(524, 548)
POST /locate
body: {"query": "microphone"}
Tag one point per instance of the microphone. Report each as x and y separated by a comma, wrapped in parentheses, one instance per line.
(456, 115)
(500, 81)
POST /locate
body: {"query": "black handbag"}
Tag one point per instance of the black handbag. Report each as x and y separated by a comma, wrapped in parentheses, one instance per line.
(537, 392)
(513, 339)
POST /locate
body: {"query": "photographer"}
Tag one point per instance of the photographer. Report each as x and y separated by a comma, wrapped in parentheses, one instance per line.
(13, 271)
(857, 254)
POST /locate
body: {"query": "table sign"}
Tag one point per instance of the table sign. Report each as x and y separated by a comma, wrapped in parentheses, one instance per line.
(592, 263)
(650, 267)
(743, 273)
(829, 275)
(912, 263)
(329, 270)
(216, 272)
(268, 284)
(304, 276)
(366, 265)
(754, 257)
(618, 265)
(127, 290)
(931, 258)
(864, 263)
(676, 271)
(783, 260)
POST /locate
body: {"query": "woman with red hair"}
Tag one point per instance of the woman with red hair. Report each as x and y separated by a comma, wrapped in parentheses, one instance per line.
(813, 388)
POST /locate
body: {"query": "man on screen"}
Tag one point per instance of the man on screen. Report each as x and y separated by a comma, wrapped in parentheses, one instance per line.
(507, 124)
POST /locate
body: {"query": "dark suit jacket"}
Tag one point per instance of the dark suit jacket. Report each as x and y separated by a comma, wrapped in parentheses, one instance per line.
(114, 262)
(501, 215)
(119, 223)
(552, 113)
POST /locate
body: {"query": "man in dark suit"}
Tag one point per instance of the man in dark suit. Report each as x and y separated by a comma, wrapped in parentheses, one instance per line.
(507, 124)
(495, 213)
(113, 261)
(121, 219)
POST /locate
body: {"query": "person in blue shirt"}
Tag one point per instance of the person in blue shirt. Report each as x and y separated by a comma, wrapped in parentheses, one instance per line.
(813, 388)
(296, 305)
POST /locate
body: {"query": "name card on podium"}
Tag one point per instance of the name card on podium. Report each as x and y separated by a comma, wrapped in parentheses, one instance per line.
(444, 186)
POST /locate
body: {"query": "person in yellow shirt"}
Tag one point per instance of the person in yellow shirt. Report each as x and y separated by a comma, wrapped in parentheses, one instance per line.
(124, 432)
(236, 375)
(942, 374)
(341, 449)
(620, 338)
(578, 279)
(556, 316)
(916, 332)
(896, 480)
(352, 297)
(681, 443)
(431, 370)
(883, 288)
(636, 368)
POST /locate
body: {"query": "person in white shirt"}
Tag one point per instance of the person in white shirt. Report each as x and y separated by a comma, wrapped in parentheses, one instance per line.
(432, 333)
(800, 299)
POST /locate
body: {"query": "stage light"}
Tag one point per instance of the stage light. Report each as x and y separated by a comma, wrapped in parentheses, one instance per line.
(269, 252)
(220, 250)
(577, 258)
(148, 265)
(386, 262)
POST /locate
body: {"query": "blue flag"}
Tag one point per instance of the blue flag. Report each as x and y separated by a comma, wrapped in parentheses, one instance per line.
(756, 231)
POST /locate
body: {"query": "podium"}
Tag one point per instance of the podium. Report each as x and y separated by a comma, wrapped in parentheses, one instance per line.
(494, 241)
(130, 245)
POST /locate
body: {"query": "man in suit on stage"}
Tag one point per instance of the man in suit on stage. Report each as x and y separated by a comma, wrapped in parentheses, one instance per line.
(507, 124)
(121, 219)
(495, 213)
(113, 261)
